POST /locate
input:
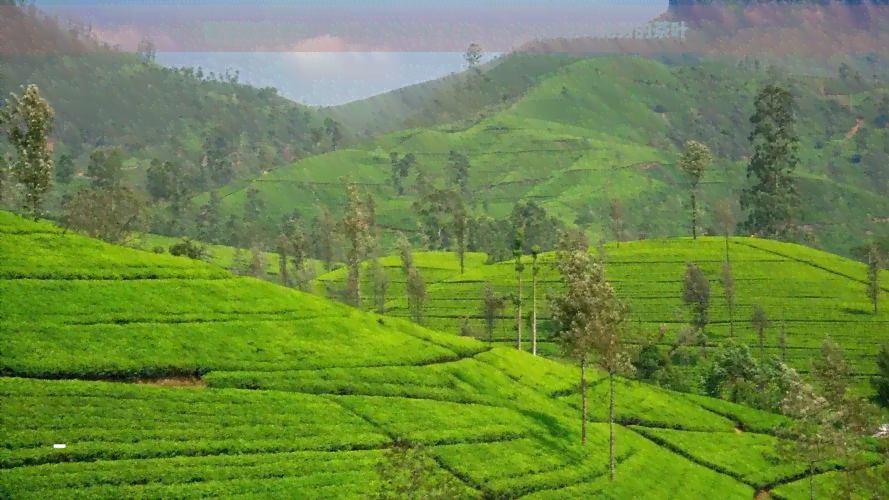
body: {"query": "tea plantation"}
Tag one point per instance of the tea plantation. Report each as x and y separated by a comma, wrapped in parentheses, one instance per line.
(807, 293)
(292, 396)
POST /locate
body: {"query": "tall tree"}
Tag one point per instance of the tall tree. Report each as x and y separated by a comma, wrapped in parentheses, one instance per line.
(772, 201)
(589, 320)
(473, 55)
(695, 160)
(874, 263)
(696, 294)
(461, 226)
(65, 169)
(493, 306)
(880, 381)
(760, 321)
(323, 229)
(459, 166)
(414, 286)
(728, 291)
(105, 167)
(519, 269)
(28, 122)
(282, 246)
(616, 214)
(379, 280)
(356, 230)
(535, 268)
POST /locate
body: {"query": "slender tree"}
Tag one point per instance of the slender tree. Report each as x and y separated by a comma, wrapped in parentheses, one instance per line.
(283, 249)
(696, 294)
(535, 268)
(461, 226)
(760, 321)
(772, 201)
(728, 291)
(379, 279)
(616, 213)
(518, 243)
(414, 285)
(874, 263)
(880, 381)
(590, 320)
(28, 122)
(493, 306)
(695, 160)
(355, 228)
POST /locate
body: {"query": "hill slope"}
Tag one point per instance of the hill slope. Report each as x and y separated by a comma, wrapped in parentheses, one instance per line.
(608, 128)
(807, 293)
(300, 396)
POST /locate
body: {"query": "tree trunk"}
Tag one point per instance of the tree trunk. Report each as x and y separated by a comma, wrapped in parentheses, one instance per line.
(518, 319)
(534, 314)
(611, 425)
(694, 216)
(583, 402)
(811, 481)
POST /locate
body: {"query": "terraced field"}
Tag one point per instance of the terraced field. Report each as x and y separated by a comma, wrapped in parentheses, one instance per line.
(810, 293)
(433, 266)
(223, 255)
(286, 395)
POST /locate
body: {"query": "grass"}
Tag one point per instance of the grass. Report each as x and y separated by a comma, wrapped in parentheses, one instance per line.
(296, 396)
(809, 293)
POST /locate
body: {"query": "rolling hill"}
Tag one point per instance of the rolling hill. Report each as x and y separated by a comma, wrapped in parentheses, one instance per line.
(809, 294)
(285, 394)
(608, 128)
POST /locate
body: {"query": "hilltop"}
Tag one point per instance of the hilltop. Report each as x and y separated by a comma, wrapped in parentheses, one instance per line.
(285, 394)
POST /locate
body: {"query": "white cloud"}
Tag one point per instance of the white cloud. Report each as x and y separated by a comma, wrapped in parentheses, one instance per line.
(332, 57)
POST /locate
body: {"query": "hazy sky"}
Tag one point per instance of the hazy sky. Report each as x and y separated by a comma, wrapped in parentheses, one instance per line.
(333, 52)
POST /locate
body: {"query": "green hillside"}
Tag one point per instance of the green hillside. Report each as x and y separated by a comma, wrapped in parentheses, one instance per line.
(806, 292)
(298, 396)
(608, 128)
(433, 266)
(224, 256)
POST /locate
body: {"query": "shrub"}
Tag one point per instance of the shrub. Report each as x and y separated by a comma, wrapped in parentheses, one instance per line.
(660, 108)
(158, 249)
(188, 248)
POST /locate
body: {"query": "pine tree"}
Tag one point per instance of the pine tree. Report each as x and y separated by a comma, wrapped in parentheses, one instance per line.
(696, 294)
(773, 200)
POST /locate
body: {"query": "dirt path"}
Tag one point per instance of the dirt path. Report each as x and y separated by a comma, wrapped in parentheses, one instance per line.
(852, 131)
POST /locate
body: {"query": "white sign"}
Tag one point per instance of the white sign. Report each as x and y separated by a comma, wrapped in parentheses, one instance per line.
(58, 446)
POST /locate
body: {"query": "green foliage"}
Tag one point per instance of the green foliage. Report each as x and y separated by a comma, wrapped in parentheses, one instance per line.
(190, 249)
(105, 167)
(874, 264)
(881, 381)
(773, 200)
(408, 473)
(696, 294)
(29, 120)
(428, 387)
